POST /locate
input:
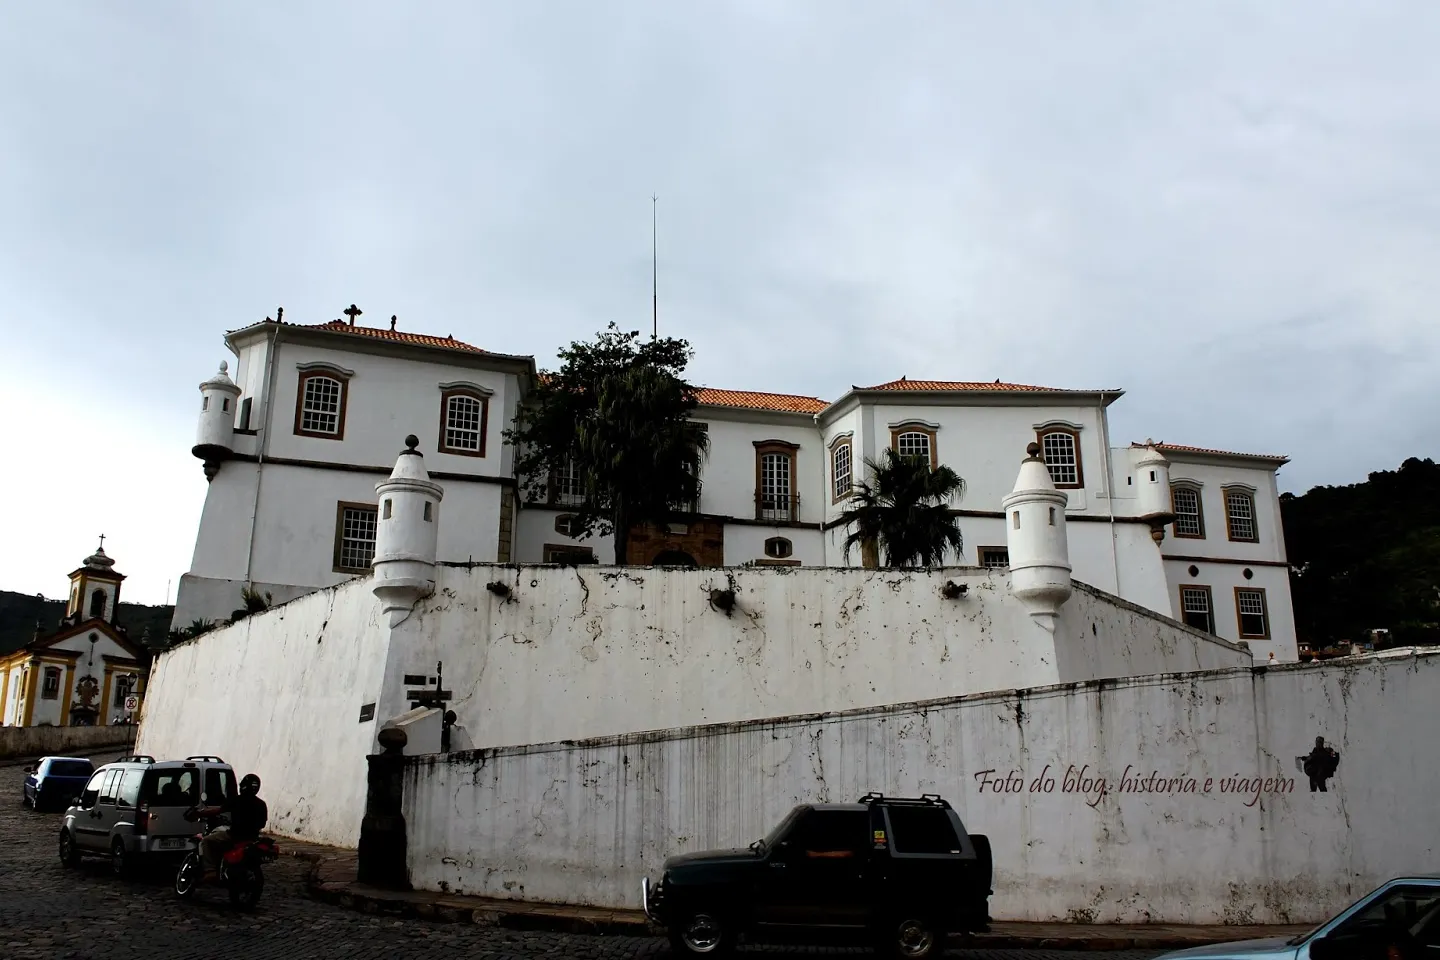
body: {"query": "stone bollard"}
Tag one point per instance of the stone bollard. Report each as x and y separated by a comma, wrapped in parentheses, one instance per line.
(382, 831)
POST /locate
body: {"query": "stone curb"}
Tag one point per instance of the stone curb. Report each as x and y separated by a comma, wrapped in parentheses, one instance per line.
(557, 919)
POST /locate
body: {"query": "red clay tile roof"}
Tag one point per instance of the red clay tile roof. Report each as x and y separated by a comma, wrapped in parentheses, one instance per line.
(398, 336)
(1181, 448)
(938, 385)
(783, 402)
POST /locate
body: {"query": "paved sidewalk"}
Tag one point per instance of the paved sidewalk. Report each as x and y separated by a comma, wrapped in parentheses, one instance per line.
(332, 880)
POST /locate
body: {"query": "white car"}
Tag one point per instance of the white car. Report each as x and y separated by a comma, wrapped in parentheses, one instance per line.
(1398, 921)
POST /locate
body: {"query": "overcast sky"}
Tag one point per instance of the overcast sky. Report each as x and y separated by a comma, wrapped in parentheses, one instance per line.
(1230, 210)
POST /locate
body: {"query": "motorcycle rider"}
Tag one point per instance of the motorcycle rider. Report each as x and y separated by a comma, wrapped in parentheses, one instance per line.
(248, 815)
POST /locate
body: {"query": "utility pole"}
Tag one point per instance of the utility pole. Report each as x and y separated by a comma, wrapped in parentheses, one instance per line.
(654, 270)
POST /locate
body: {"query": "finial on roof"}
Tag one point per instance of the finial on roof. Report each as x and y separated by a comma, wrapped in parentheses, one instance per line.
(352, 312)
(392, 321)
(997, 379)
(1033, 449)
(224, 368)
(411, 442)
(279, 314)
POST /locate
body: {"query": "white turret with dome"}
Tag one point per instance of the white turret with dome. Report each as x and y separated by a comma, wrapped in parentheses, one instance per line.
(406, 533)
(215, 439)
(1036, 539)
(1152, 494)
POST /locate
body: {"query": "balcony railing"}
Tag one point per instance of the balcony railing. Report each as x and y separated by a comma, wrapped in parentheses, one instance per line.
(781, 509)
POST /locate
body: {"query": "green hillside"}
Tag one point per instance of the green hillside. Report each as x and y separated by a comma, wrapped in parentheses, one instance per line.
(1367, 556)
(20, 611)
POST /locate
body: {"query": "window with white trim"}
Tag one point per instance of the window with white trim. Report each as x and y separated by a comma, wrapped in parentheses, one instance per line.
(355, 538)
(1240, 516)
(1060, 450)
(50, 684)
(1189, 520)
(1196, 609)
(1251, 610)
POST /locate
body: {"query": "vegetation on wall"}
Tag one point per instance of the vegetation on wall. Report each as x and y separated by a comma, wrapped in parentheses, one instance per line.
(1367, 556)
(617, 412)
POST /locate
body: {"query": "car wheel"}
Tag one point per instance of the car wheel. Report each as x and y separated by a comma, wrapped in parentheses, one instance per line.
(701, 934)
(120, 862)
(69, 853)
(912, 938)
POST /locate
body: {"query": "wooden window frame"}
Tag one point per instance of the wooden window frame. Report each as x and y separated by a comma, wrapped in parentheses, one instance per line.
(1073, 433)
(310, 372)
(899, 430)
(789, 548)
(552, 489)
(340, 508)
(484, 400)
(1209, 600)
(547, 550)
(835, 495)
(46, 672)
(980, 557)
(1199, 507)
(1248, 494)
(1264, 612)
(790, 450)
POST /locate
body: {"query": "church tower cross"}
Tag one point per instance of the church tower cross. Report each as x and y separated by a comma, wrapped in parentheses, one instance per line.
(352, 312)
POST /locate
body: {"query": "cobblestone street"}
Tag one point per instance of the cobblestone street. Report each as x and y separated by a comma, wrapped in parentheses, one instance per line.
(53, 913)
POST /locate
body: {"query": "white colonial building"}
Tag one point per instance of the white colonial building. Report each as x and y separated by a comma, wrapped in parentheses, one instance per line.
(80, 673)
(294, 445)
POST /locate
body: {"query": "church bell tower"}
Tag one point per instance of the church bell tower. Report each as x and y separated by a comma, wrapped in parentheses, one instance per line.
(94, 588)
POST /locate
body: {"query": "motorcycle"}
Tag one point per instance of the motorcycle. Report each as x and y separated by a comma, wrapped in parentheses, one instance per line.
(240, 866)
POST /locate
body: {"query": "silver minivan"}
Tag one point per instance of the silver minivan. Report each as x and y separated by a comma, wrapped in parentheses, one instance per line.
(133, 809)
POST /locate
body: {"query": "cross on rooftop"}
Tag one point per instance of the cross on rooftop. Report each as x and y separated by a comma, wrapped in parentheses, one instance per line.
(352, 312)
(102, 541)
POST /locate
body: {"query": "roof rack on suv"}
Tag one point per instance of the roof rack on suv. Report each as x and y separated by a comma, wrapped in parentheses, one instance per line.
(924, 800)
(138, 758)
(206, 759)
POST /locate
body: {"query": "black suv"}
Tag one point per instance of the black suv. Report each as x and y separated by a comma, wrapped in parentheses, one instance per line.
(902, 873)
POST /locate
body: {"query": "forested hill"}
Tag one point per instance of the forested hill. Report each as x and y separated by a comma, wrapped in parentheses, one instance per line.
(20, 611)
(1367, 556)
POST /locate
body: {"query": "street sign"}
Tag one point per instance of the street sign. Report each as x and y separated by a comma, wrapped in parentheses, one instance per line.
(132, 702)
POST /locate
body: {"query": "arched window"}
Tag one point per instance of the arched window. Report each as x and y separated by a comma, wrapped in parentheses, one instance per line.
(1189, 514)
(1060, 449)
(97, 603)
(320, 406)
(463, 422)
(1240, 514)
(841, 471)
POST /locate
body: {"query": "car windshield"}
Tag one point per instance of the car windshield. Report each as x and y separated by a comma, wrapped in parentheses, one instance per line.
(69, 768)
(782, 828)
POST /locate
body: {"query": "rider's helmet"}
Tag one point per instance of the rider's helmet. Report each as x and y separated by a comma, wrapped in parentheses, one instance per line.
(249, 785)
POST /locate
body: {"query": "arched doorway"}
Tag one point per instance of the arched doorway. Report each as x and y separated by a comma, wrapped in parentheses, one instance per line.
(673, 558)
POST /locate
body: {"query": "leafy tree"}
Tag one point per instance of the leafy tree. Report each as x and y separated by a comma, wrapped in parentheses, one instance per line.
(1366, 556)
(904, 508)
(618, 411)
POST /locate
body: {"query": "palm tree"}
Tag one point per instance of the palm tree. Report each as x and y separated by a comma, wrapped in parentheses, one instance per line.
(905, 508)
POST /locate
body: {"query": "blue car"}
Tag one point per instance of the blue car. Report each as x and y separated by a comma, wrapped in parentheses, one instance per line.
(54, 781)
(1400, 920)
